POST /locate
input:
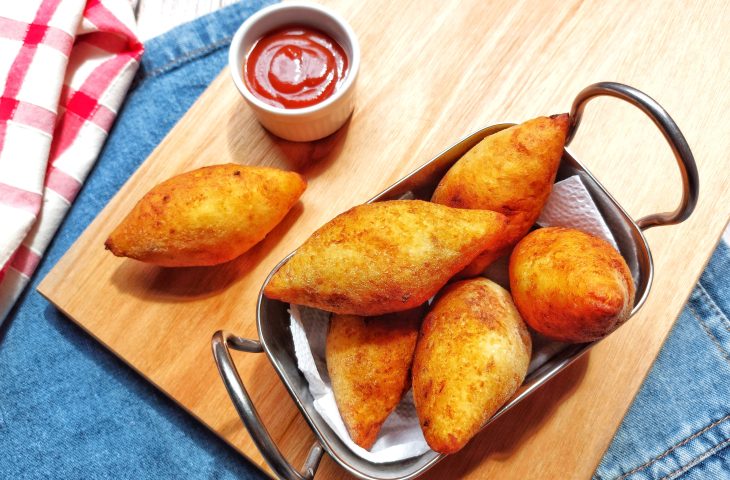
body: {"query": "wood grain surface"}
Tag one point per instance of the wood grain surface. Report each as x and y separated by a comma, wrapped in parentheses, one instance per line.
(431, 73)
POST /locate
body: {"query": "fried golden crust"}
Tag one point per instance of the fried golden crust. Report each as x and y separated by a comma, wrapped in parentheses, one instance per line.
(511, 172)
(472, 354)
(207, 216)
(384, 257)
(570, 286)
(369, 363)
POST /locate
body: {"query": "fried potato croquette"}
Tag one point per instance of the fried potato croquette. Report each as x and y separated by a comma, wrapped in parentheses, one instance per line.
(472, 355)
(369, 363)
(511, 172)
(384, 257)
(207, 216)
(570, 286)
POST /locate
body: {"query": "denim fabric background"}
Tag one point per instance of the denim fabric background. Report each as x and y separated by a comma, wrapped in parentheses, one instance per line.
(679, 423)
(69, 409)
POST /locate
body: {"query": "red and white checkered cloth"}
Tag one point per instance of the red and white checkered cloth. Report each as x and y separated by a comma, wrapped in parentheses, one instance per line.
(65, 67)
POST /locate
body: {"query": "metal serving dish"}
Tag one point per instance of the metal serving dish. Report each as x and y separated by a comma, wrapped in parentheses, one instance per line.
(273, 320)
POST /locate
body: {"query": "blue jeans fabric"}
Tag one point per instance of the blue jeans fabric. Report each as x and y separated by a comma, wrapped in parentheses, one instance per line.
(70, 409)
(679, 423)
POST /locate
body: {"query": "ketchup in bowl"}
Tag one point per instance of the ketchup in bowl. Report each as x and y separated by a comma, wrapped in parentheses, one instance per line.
(295, 67)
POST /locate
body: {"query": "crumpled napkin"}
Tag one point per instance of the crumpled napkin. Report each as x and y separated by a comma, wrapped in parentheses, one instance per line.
(65, 67)
(569, 205)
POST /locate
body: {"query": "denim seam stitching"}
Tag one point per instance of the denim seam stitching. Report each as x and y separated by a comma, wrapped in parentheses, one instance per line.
(187, 57)
(697, 460)
(713, 305)
(671, 449)
(709, 333)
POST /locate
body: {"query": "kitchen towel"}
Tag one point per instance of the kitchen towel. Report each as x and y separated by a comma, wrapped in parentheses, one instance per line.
(65, 67)
(570, 205)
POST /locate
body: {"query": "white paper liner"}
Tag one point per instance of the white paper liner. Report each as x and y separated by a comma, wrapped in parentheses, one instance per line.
(569, 205)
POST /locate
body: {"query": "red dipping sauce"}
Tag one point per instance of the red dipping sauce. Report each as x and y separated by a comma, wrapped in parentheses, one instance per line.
(295, 67)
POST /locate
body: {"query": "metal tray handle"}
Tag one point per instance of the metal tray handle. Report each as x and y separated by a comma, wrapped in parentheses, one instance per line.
(671, 132)
(246, 410)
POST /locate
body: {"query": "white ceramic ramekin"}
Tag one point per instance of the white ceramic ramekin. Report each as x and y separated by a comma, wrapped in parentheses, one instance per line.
(299, 124)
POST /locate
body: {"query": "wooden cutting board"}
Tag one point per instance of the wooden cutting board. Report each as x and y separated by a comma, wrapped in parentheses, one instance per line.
(431, 73)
